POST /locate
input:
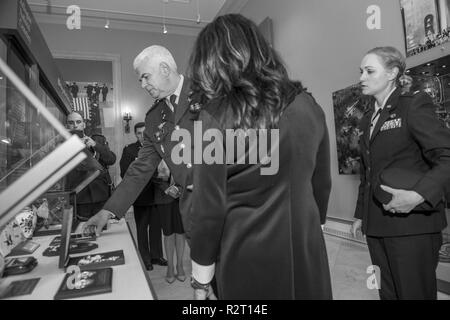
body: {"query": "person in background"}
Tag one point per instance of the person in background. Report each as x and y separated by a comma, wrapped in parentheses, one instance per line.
(74, 89)
(94, 195)
(259, 233)
(168, 210)
(104, 92)
(401, 131)
(148, 225)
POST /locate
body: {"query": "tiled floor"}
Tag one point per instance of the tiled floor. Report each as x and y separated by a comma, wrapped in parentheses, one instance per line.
(348, 264)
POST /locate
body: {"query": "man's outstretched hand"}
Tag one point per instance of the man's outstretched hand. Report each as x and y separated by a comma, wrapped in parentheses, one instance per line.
(97, 222)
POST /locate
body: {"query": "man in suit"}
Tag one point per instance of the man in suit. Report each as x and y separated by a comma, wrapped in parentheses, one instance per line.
(104, 92)
(93, 196)
(148, 226)
(74, 89)
(157, 72)
(89, 89)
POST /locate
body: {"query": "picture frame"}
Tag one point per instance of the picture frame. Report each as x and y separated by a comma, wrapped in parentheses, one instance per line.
(349, 107)
(426, 24)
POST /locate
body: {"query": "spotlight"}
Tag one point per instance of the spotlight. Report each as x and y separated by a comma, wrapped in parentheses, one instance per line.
(107, 24)
(164, 29)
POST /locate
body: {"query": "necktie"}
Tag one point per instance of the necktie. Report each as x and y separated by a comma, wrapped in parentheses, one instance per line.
(374, 120)
(173, 98)
(171, 102)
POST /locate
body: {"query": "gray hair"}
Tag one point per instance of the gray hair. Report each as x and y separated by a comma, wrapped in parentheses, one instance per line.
(156, 54)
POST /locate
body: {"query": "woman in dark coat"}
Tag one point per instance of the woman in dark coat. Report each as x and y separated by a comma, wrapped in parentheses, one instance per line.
(256, 226)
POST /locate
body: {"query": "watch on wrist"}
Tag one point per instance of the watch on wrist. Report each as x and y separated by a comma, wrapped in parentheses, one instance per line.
(199, 286)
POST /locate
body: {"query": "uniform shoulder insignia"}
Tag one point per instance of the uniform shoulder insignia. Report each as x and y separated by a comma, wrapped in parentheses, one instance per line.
(410, 93)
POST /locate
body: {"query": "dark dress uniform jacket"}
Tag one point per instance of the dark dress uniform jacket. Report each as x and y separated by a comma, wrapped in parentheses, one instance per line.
(99, 189)
(407, 135)
(129, 154)
(263, 231)
(160, 122)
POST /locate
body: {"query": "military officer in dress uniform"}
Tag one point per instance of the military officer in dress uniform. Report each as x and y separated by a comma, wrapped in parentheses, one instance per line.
(401, 132)
(148, 225)
(157, 72)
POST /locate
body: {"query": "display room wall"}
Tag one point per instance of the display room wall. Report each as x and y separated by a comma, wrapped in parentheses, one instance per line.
(322, 43)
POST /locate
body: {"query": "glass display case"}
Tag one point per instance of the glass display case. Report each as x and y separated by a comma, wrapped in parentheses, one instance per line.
(40, 160)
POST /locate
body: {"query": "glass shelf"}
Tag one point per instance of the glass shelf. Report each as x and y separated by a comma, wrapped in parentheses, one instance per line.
(36, 151)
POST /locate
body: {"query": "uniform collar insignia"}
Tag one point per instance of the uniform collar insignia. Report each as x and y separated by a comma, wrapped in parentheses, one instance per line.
(195, 106)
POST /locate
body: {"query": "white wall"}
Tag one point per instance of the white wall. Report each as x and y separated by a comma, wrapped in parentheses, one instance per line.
(322, 43)
(85, 70)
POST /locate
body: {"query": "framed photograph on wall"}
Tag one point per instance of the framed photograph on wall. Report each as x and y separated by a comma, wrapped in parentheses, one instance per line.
(425, 24)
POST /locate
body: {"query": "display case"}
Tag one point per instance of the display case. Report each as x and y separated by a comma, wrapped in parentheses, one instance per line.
(43, 165)
(39, 158)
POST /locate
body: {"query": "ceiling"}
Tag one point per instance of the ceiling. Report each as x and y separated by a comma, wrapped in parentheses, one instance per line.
(180, 16)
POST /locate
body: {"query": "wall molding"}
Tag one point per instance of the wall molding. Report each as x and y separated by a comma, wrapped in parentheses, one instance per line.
(232, 6)
(341, 228)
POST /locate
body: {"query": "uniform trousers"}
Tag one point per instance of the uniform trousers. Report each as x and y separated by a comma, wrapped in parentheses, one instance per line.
(148, 227)
(407, 265)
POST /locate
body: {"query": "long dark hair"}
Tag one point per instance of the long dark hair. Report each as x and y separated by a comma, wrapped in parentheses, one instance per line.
(231, 60)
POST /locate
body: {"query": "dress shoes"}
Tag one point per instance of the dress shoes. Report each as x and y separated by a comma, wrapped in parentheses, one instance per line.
(170, 280)
(181, 278)
(148, 266)
(159, 261)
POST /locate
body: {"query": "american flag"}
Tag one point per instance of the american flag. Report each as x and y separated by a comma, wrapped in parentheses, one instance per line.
(82, 105)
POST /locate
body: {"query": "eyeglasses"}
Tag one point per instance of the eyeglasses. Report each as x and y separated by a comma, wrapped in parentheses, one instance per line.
(74, 122)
